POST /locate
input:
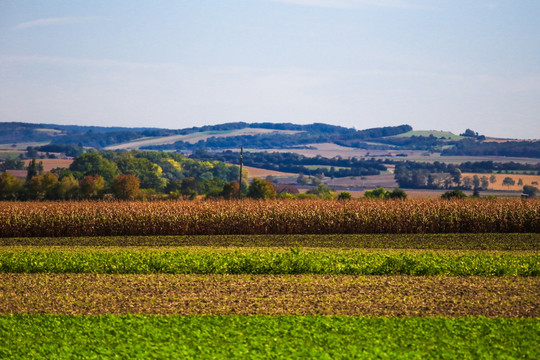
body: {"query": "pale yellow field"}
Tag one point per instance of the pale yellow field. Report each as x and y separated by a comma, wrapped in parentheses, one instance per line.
(262, 173)
(527, 180)
(49, 164)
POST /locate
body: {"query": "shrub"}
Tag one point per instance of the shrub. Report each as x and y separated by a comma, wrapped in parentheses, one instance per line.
(454, 194)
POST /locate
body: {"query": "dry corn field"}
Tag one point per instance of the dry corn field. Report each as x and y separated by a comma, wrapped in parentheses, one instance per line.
(55, 219)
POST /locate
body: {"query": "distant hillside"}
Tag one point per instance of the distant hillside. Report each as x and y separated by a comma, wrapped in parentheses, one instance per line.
(264, 136)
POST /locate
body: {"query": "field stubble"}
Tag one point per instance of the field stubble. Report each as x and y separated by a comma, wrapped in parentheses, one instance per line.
(403, 296)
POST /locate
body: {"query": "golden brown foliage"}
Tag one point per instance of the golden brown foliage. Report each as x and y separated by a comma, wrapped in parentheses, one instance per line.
(101, 218)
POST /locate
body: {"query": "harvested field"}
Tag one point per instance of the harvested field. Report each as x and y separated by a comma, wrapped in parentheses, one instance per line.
(497, 241)
(269, 295)
(49, 164)
(498, 185)
(262, 173)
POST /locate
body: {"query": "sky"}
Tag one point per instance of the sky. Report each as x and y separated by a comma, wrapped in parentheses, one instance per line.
(432, 64)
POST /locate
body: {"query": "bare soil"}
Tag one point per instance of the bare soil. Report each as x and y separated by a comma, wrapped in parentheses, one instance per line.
(402, 296)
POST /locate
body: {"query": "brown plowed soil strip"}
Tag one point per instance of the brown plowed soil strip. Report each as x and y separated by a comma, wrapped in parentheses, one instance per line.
(269, 295)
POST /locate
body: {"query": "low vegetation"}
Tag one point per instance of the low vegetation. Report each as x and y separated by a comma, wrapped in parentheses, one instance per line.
(64, 336)
(266, 261)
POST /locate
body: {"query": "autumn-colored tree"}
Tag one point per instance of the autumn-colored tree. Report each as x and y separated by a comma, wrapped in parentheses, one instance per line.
(125, 187)
(91, 186)
(231, 190)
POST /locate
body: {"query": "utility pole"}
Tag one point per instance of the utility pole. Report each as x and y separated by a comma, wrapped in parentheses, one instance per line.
(240, 176)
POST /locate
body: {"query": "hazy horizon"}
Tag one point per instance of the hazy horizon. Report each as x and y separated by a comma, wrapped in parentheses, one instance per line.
(435, 65)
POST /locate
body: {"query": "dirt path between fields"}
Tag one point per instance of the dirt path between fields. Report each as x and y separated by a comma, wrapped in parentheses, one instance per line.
(405, 296)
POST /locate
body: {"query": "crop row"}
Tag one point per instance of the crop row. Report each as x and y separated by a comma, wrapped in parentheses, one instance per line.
(262, 337)
(497, 241)
(308, 294)
(294, 261)
(58, 219)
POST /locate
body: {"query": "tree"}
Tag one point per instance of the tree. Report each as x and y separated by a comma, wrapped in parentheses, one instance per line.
(10, 186)
(34, 169)
(148, 173)
(454, 194)
(476, 181)
(344, 195)
(467, 182)
(530, 190)
(484, 182)
(67, 188)
(125, 187)
(456, 176)
(508, 181)
(93, 163)
(379, 193)
(261, 189)
(41, 187)
(321, 191)
(190, 187)
(520, 182)
(397, 194)
(231, 190)
(91, 186)
(493, 179)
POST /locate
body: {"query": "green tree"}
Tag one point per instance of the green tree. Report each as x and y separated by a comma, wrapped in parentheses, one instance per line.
(231, 190)
(125, 187)
(493, 179)
(148, 173)
(261, 189)
(530, 190)
(321, 191)
(379, 193)
(454, 194)
(34, 169)
(41, 187)
(92, 163)
(10, 186)
(67, 188)
(484, 182)
(190, 187)
(397, 194)
(508, 181)
(344, 195)
(456, 176)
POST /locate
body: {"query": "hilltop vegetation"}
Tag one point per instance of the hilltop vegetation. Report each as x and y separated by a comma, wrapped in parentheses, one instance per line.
(284, 135)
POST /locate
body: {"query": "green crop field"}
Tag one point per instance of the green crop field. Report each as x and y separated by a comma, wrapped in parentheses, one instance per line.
(314, 279)
(233, 337)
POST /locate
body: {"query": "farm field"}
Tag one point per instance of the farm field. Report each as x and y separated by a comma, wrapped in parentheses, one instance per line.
(254, 172)
(193, 137)
(327, 291)
(106, 218)
(498, 185)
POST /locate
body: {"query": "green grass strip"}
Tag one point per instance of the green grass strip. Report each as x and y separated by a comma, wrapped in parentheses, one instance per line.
(263, 337)
(293, 261)
(496, 241)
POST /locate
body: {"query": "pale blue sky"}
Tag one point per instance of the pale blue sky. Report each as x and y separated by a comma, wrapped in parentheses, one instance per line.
(441, 64)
